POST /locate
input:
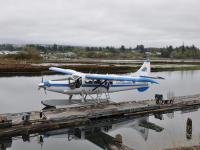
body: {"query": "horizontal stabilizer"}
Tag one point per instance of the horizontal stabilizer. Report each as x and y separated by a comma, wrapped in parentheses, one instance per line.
(151, 77)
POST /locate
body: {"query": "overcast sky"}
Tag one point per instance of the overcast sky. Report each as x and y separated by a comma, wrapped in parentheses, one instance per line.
(101, 22)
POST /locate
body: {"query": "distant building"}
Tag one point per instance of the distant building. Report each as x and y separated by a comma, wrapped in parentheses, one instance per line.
(8, 52)
(70, 55)
(58, 55)
(158, 53)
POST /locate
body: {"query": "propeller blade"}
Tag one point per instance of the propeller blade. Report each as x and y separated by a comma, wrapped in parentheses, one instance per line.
(156, 77)
(45, 90)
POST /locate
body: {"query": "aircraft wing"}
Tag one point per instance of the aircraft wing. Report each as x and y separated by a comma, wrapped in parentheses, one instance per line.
(119, 78)
(65, 71)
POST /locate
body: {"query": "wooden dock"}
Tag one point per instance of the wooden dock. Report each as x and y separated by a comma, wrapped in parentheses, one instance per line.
(52, 119)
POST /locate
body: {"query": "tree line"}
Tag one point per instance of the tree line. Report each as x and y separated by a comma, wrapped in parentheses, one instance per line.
(107, 51)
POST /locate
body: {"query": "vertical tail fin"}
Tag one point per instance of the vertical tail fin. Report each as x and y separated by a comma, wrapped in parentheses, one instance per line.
(145, 69)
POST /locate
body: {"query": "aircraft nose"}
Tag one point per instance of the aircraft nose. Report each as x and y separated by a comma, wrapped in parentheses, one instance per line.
(46, 83)
(41, 85)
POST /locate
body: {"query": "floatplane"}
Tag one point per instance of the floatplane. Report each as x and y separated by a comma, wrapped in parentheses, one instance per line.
(96, 85)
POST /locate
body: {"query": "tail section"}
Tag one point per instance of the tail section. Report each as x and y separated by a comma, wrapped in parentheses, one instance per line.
(144, 70)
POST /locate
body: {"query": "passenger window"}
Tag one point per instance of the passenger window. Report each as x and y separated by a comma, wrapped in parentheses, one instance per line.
(88, 81)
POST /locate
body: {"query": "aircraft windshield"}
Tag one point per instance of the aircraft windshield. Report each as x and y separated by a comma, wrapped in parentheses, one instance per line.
(75, 83)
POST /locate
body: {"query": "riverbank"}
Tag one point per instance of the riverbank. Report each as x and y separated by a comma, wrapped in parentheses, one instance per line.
(95, 66)
(186, 148)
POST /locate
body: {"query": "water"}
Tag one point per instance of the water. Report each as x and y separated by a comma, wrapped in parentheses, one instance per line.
(19, 94)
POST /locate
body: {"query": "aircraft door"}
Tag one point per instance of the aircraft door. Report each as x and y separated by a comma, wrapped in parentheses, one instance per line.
(78, 82)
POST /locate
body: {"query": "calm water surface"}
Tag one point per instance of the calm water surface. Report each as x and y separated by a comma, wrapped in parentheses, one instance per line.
(19, 94)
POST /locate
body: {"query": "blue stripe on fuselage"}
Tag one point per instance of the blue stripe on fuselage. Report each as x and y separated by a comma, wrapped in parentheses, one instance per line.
(94, 85)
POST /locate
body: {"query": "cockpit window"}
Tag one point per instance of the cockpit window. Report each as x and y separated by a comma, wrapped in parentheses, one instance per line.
(75, 77)
(75, 83)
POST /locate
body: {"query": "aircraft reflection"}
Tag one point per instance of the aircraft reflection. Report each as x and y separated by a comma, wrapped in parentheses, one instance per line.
(5, 143)
(96, 132)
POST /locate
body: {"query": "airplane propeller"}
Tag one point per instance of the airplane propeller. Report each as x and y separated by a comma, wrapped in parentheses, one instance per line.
(42, 84)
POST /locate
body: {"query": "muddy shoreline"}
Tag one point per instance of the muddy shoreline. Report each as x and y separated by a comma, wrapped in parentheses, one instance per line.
(31, 69)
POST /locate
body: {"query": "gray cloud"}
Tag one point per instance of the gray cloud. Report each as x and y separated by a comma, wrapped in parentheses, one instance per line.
(101, 22)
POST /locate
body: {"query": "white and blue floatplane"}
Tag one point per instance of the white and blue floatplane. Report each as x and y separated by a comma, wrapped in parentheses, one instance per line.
(86, 84)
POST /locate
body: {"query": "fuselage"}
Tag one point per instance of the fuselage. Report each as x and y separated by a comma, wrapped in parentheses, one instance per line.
(92, 86)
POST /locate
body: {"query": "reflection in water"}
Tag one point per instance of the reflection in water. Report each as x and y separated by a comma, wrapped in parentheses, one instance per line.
(170, 115)
(5, 143)
(159, 116)
(189, 129)
(40, 140)
(26, 138)
(96, 132)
